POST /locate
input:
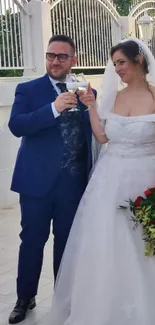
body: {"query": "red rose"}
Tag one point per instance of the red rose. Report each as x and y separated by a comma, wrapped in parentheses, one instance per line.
(138, 201)
(147, 192)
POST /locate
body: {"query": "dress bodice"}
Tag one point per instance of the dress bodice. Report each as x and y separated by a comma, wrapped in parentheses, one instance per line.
(130, 136)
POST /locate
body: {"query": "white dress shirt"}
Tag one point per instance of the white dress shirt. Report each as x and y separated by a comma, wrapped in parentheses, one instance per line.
(54, 82)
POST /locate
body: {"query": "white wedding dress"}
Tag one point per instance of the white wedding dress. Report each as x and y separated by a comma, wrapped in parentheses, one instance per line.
(104, 278)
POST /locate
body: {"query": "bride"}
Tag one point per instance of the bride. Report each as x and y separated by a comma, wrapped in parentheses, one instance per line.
(104, 278)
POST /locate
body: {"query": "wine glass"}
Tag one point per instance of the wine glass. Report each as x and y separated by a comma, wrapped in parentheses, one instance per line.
(75, 84)
(72, 88)
(82, 82)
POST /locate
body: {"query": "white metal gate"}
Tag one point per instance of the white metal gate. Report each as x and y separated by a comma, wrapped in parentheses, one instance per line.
(138, 11)
(93, 24)
(11, 54)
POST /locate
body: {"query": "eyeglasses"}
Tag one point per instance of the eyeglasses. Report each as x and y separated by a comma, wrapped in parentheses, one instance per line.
(61, 57)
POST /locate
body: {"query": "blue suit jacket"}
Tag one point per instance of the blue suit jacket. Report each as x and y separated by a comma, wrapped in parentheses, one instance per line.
(41, 150)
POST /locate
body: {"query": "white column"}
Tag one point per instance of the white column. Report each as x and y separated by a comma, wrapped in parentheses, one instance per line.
(116, 32)
(36, 31)
(128, 26)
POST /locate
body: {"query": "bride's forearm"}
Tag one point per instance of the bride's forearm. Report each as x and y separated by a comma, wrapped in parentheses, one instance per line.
(97, 128)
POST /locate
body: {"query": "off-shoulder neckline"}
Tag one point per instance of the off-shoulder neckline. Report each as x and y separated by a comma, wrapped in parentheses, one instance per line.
(133, 116)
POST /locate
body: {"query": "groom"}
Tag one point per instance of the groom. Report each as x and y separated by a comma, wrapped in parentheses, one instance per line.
(52, 167)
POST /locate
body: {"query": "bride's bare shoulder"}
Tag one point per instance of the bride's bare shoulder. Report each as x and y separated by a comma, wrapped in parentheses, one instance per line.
(121, 93)
(151, 87)
(152, 90)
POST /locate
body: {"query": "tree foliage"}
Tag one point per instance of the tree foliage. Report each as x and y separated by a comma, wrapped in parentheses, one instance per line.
(123, 6)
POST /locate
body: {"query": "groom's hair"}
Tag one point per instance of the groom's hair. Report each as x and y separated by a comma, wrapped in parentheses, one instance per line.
(64, 39)
(131, 50)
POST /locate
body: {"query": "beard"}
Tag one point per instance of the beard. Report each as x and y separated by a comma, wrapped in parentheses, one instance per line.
(57, 73)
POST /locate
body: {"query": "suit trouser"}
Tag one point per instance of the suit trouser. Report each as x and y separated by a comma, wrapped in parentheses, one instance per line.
(59, 205)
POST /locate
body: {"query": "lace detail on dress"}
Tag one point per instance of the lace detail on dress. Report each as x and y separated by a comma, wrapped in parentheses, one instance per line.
(105, 278)
(130, 136)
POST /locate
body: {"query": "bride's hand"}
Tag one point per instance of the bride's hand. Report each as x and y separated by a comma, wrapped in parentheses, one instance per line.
(88, 98)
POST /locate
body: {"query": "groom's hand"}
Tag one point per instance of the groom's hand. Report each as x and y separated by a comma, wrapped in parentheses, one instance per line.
(65, 101)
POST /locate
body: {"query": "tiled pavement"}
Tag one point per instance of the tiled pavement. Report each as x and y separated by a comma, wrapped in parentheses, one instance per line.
(9, 243)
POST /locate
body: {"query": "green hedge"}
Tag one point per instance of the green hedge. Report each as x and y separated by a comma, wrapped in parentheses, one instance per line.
(11, 73)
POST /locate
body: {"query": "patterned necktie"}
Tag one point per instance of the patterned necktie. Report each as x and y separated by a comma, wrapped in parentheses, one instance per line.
(62, 86)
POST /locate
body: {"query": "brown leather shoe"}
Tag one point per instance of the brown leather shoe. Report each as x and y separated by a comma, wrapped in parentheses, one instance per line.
(19, 312)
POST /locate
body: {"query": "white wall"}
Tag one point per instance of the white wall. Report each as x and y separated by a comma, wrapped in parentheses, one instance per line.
(8, 143)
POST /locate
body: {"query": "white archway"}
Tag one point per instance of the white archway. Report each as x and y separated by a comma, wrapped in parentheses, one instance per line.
(137, 12)
(141, 12)
(93, 24)
(105, 3)
(141, 7)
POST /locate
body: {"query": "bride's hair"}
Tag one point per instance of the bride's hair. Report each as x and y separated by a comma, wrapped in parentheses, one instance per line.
(111, 82)
(131, 50)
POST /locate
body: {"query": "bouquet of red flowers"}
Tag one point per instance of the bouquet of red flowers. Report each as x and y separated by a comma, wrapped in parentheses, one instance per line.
(143, 212)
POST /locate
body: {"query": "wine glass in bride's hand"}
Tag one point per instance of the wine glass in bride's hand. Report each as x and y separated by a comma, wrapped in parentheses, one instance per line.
(87, 98)
(78, 82)
(82, 82)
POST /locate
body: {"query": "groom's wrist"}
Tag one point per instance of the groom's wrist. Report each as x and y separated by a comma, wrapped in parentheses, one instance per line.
(55, 112)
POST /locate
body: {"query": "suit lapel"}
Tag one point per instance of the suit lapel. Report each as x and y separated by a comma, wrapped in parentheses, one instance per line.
(48, 89)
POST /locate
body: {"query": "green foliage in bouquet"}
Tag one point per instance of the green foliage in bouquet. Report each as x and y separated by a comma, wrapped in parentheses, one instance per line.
(143, 213)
